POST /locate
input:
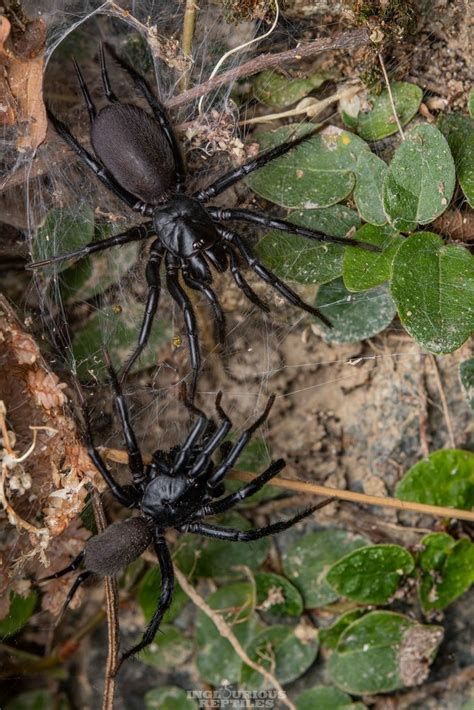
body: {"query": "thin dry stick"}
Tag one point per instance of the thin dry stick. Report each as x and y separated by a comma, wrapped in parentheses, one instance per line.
(444, 401)
(189, 22)
(390, 95)
(313, 489)
(341, 40)
(227, 633)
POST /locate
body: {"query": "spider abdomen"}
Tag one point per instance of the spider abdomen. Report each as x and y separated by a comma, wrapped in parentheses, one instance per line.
(119, 545)
(133, 147)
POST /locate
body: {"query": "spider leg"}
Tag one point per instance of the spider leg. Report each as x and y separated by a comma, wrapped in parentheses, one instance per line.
(270, 278)
(105, 76)
(167, 586)
(283, 226)
(214, 442)
(233, 176)
(242, 282)
(85, 92)
(134, 234)
(135, 461)
(70, 595)
(152, 275)
(70, 568)
(194, 435)
(219, 318)
(182, 300)
(233, 535)
(158, 112)
(220, 506)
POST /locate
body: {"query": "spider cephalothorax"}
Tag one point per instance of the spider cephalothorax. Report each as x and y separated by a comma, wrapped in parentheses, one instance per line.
(138, 158)
(178, 489)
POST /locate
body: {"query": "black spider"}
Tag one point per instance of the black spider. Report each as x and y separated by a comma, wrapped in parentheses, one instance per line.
(176, 490)
(138, 158)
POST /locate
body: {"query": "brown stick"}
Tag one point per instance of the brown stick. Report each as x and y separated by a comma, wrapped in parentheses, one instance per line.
(341, 40)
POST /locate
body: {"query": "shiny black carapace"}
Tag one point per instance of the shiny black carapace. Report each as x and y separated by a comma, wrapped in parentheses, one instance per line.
(138, 158)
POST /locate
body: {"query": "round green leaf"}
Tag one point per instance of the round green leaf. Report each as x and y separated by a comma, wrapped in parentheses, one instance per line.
(378, 121)
(318, 173)
(371, 575)
(445, 478)
(278, 91)
(276, 595)
(62, 231)
(278, 648)
(466, 374)
(168, 698)
(459, 132)
(365, 269)
(329, 637)
(149, 594)
(326, 697)
(216, 659)
(382, 652)
(21, 608)
(419, 182)
(433, 288)
(307, 562)
(294, 258)
(447, 570)
(371, 171)
(354, 316)
(170, 649)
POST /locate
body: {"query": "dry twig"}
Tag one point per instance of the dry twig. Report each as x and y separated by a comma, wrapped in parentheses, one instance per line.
(444, 401)
(392, 102)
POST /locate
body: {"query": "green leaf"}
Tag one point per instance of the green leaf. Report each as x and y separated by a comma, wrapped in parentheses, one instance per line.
(63, 230)
(365, 269)
(169, 697)
(329, 636)
(254, 458)
(466, 374)
(326, 697)
(21, 608)
(294, 258)
(447, 570)
(307, 562)
(116, 326)
(371, 171)
(445, 478)
(316, 174)
(371, 575)
(459, 132)
(378, 121)
(170, 649)
(278, 648)
(32, 700)
(354, 316)
(149, 593)
(276, 595)
(382, 652)
(433, 287)
(419, 182)
(216, 659)
(470, 103)
(277, 91)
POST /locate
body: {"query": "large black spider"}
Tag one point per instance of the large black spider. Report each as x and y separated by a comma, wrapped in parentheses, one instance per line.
(138, 158)
(176, 490)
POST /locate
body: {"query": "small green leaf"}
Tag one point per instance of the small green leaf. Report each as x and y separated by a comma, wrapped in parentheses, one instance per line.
(466, 374)
(170, 649)
(149, 594)
(318, 173)
(169, 697)
(433, 287)
(307, 562)
(447, 570)
(21, 608)
(354, 316)
(470, 103)
(63, 230)
(378, 121)
(371, 575)
(277, 91)
(329, 636)
(278, 648)
(276, 595)
(326, 697)
(32, 700)
(459, 132)
(371, 171)
(419, 182)
(382, 652)
(295, 258)
(365, 269)
(445, 478)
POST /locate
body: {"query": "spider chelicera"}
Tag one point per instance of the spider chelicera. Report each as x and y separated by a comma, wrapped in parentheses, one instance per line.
(178, 489)
(137, 157)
